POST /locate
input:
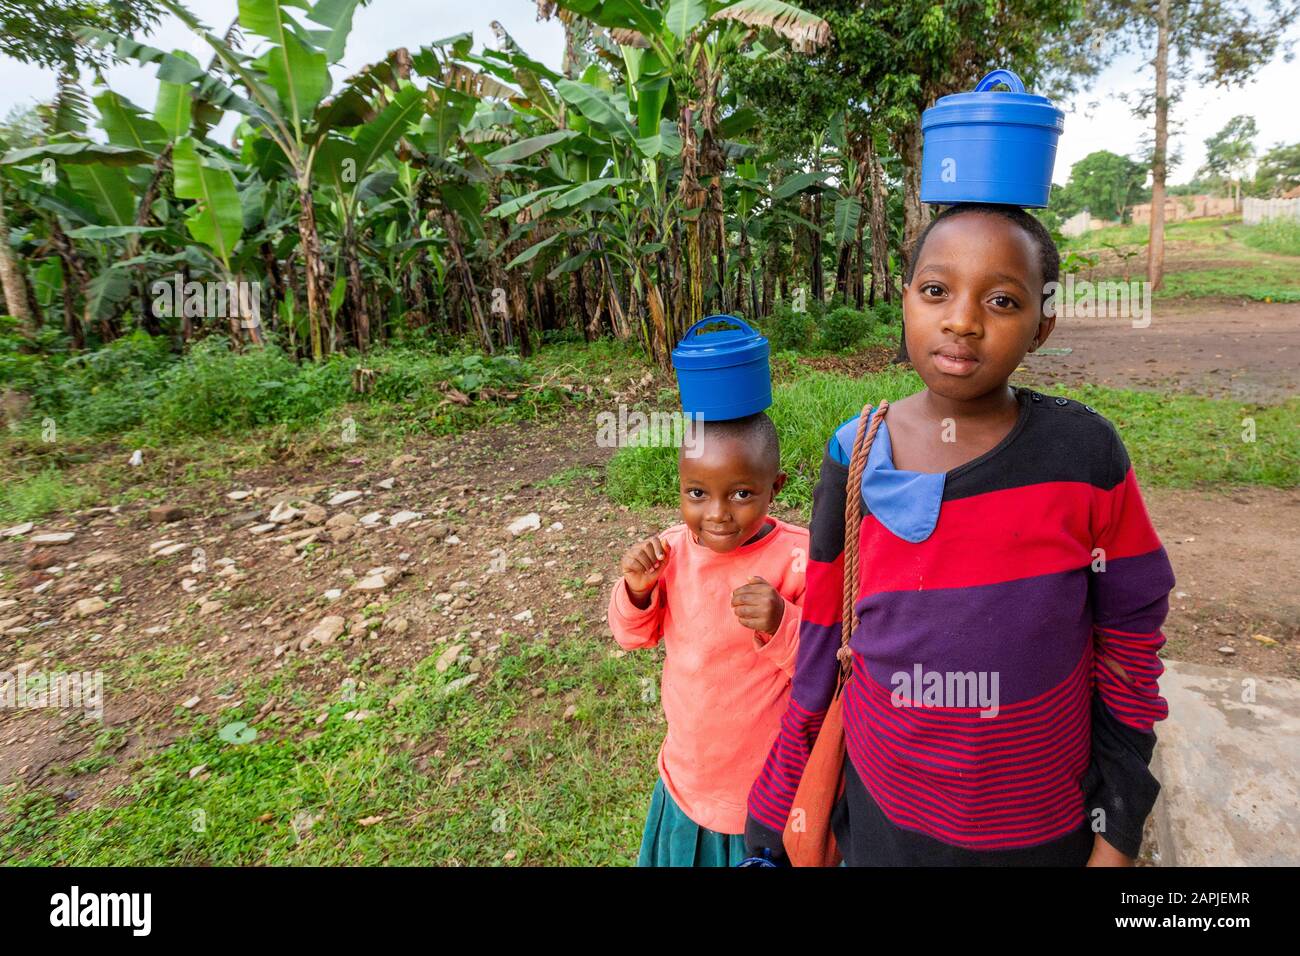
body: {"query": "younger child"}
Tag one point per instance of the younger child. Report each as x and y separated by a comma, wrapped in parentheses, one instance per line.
(1010, 592)
(723, 590)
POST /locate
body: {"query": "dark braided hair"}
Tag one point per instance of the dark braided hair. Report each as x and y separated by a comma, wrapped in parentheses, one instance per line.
(1049, 257)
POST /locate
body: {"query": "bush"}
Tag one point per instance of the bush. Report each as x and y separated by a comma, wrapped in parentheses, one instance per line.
(842, 328)
(887, 313)
(789, 330)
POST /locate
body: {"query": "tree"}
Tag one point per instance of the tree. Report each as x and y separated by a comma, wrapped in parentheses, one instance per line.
(1230, 39)
(1104, 183)
(1278, 171)
(1229, 152)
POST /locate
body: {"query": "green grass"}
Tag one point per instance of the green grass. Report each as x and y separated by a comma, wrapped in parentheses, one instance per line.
(33, 497)
(1280, 236)
(567, 792)
(1268, 281)
(1173, 440)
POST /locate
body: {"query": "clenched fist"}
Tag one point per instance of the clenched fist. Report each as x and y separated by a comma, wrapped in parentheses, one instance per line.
(641, 567)
(758, 606)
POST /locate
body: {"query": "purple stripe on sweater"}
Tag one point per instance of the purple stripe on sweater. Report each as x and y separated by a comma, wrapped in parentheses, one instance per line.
(1030, 633)
(814, 675)
(1132, 594)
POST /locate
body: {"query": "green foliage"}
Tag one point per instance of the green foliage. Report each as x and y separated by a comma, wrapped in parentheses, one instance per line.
(787, 329)
(1102, 182)
(1281, 236)
(30, 498)
(842, 327)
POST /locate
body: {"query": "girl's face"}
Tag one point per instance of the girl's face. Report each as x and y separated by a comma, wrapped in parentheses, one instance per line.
(726, 493)
(974, 305)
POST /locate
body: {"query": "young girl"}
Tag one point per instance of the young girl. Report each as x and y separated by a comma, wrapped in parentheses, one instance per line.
(1011, 591)
(723, 590)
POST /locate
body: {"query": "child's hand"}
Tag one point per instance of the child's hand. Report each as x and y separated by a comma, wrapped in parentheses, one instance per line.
(758, 606)
(642, 565)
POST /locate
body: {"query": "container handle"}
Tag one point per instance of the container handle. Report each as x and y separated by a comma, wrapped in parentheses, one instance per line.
(718, 318)
(1013, 82)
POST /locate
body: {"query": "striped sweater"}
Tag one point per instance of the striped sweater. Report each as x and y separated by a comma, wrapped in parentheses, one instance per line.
(1004, 667)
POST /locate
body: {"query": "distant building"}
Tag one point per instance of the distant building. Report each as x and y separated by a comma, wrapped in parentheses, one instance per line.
(1178, 208)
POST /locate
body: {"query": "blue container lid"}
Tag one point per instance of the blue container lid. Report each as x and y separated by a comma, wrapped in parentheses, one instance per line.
(720, 349)
(983, 105)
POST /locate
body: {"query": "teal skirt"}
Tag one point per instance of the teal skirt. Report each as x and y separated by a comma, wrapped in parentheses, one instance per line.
(672, 838)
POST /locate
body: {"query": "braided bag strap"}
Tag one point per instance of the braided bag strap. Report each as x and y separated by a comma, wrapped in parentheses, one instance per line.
(852, 519)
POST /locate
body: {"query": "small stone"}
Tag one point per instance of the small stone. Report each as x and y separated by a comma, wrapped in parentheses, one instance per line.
(525, 617)
(100, 558)
(195, 771)
(402, 517)
(594, 579)
(283, 513)
(401, 461)
(452, 539)
(42, 559)
(1227, 651)
(262, 528)
(529, 522)
(401, 697)
(165, 514)
(54, 537)
(443, 597)
(88, 606)
(344, 519)
(397, 626)
(188, 585)
(238, 495)
(448, 657)
(571, 711)
(328, 630)
(314, 514)
(16, 530)
(372, 519)
(191, 703)
(333, 594)
(342, 498)
(386, 484)
(376, 580)
(557, 526)
(459, 683)
(171, 549)
(209, 607)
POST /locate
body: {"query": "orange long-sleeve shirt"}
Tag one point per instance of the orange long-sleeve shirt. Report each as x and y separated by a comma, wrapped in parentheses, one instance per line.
(725, 687)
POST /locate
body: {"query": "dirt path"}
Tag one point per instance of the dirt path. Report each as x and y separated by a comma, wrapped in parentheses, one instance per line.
(1249, 351)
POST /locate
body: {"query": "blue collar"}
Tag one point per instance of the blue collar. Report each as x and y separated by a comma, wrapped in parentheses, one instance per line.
(905, 502)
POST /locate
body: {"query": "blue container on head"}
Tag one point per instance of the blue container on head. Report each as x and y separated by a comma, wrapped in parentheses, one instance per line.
(723, 374)
(990, 147)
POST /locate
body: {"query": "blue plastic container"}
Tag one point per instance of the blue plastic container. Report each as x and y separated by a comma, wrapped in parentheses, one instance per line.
(989, 146)
(723, 374)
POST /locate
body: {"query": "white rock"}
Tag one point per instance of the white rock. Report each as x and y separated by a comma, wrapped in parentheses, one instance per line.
(327, 631)
(448, 657)
(529, 522)
(18, 529)
(283, 513)
(333, 594)
(191, 703)
(402, 517)
(43, 586)
(372, 519)
(54, 537)
(524, 616)
(499, 561)
(262, 528)
(387, 484)
(209, 607)
(169, 550)
(239, 495)
(136, 459)
(452, 539)
(594, 579)
(343, 497)
(557, 526)
(188, 585)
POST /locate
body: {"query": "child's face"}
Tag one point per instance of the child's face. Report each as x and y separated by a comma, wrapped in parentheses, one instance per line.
(725, 492)
(974, 306)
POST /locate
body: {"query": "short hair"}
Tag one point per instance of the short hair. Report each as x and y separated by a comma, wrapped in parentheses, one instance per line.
(756, 431)
(1049, 257)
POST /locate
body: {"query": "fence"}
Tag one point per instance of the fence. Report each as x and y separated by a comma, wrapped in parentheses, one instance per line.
(1255, 211)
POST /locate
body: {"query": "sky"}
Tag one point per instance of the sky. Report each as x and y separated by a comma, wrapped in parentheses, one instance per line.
(1095, 120)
